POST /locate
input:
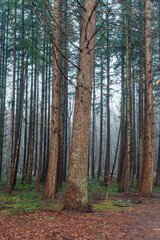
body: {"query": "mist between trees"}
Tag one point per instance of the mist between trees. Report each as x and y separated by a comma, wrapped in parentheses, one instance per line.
(79, 87)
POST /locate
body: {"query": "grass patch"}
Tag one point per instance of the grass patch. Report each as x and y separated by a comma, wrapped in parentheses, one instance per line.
(142, 214)
(21, 203)
(51, 219)
(109, 205)
(122, 203)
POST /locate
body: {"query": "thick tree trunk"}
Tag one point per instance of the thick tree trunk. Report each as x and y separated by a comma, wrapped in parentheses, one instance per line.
(147, 182)
(76, 195)
(157, 181)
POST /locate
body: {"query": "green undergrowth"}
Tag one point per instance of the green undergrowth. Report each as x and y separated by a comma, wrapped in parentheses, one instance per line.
(21, 202)
(97, 186)
(156, 190)
(142, 214)
(64, 187)
(24, 198)
(111, 205)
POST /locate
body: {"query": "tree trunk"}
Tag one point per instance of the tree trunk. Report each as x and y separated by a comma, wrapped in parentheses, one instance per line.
(76, 194)
(123, 97)
(107, 162)
(42, 120)
(20, 112)
(101, 127)
(25, 129)
(33, 125)
(50, 183)
(9, 181)
(147, 182)
(141, 125)
(93, 133)
(157, 182)
(126, 165)
(3, 91)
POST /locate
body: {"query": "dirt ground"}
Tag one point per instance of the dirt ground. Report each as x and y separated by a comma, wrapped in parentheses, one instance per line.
(141, 221)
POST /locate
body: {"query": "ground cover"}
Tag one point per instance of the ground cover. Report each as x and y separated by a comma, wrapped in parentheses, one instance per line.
(26, 215)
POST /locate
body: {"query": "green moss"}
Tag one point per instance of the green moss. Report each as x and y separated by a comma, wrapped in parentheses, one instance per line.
(109, 205)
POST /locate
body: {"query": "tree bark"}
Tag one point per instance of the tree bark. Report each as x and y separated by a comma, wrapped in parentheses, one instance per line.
(9, 181)
(147, 182)
(141, 125)
(50, 183)
(101, 127)
(76, 194)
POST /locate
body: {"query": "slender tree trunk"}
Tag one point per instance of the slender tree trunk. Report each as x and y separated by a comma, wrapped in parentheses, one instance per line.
(37, 120)
(33, 125)
(50, 183)
(44, 168)
(126, 165)
(26, 123)
(49, 115)
(9, 181)
(115, 158)
(101, 127)
(3, 97)
(30, 124)
(18, 142)
(93, 133)
(141, 125)
(133, 139)
(123, 97)
(107, 162)
(42, 120)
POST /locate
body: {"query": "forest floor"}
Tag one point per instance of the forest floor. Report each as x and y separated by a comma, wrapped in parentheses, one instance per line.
(26, 215)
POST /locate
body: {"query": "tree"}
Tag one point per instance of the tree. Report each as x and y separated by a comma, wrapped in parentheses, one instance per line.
(141, 127)
(50, 183)
(126, 163)
(76, 194)
(147, 181)
(13, 105)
